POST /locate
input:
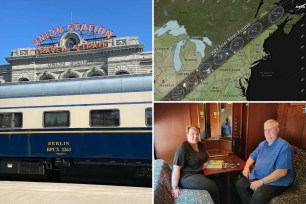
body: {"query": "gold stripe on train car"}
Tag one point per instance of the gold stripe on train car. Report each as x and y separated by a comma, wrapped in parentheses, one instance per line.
(74, 131)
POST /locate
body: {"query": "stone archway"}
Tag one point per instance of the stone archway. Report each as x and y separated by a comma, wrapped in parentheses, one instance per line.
(46, 76)
(122, 69)
(94, 72)
(70, 74)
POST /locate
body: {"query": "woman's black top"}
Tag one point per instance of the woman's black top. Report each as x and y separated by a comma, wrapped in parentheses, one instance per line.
(190, 161)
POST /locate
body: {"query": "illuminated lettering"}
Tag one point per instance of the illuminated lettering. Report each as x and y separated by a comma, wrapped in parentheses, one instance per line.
(76, 26)
(76, 48)
(49, 50)
(101, 30)
(52, 32)
(108, 33)
(84, 46)
(96, 28)
(42, 38)
(36, 42)
(59, 30)
(89, 46)
(47, 35)
(90, 27)
(84, 27)
(53, 49)
(70, 29)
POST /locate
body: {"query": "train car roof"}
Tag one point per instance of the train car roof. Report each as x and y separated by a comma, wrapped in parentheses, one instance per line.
(95, 85)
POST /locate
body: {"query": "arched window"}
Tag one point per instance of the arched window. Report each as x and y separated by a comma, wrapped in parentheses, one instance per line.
(121, 72)
(70, 74)
(23, 79)
(46, 76)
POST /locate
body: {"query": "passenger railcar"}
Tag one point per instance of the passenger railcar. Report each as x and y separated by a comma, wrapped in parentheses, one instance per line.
(86, 124)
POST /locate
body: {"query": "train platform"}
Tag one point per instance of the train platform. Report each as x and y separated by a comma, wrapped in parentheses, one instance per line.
(16, 192)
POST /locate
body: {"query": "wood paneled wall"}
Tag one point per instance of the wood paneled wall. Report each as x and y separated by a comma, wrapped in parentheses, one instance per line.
(170, 120)
(292, 121)
(257, 115)
(291, 118)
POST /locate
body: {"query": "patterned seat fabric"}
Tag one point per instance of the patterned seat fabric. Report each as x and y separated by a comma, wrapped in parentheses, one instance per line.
(162, 188)
(297, 192)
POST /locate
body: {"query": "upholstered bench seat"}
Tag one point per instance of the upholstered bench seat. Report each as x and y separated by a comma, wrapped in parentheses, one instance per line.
(162, 188)
(296, 194)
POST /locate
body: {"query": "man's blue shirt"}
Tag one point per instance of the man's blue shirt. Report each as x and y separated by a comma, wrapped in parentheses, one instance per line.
(269, 158)
(227, 130)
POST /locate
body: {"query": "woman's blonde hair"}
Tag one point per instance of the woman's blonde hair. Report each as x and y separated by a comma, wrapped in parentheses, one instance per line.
(192, 127)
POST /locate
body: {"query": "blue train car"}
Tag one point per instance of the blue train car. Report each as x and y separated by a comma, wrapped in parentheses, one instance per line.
(77, 123)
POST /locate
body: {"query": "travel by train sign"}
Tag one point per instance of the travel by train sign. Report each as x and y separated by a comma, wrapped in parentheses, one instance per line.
(58, 49)
(71, 38)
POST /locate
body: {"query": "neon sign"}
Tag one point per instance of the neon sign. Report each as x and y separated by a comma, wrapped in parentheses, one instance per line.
(50, 50)
(76, 27)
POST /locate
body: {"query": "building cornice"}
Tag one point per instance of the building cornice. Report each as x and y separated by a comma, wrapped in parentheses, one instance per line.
(110, 51)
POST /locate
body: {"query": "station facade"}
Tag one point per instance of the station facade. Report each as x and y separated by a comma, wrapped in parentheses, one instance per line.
(70, 53)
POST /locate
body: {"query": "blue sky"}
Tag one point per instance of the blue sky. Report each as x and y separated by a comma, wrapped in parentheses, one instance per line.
(23, 20)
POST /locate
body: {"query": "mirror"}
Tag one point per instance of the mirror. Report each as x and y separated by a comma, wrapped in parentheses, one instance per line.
(215, 120)
(226, 120)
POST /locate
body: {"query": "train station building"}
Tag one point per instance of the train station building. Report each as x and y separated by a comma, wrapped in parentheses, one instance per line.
(76, 51)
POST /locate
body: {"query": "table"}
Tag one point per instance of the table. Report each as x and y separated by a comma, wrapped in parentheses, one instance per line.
(227, 171)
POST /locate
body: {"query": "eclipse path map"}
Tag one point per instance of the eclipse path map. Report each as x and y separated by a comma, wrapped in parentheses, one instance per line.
(229, 50)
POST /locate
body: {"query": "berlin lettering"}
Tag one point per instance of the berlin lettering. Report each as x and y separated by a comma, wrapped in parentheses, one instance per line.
(91, 28)
(59, 143)
(50, 50)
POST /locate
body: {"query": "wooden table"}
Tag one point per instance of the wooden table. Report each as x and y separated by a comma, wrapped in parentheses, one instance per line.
(227, 171)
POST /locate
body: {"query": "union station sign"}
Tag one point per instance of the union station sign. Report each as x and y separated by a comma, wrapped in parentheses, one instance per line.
(70, 40)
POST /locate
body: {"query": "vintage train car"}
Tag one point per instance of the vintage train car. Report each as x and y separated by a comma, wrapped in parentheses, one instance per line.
(89, 126)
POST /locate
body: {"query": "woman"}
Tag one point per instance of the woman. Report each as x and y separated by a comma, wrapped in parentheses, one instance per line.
(189, 161)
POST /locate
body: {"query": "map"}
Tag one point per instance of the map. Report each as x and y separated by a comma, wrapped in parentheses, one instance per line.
(229, 50)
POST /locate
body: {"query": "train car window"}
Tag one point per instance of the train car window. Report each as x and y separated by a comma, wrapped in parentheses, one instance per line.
(10, 120)
(104, 118)
(56, 119)
(149, 116)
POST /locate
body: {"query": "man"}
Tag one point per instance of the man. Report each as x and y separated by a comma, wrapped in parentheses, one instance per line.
(273, 171)
(227, 128)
